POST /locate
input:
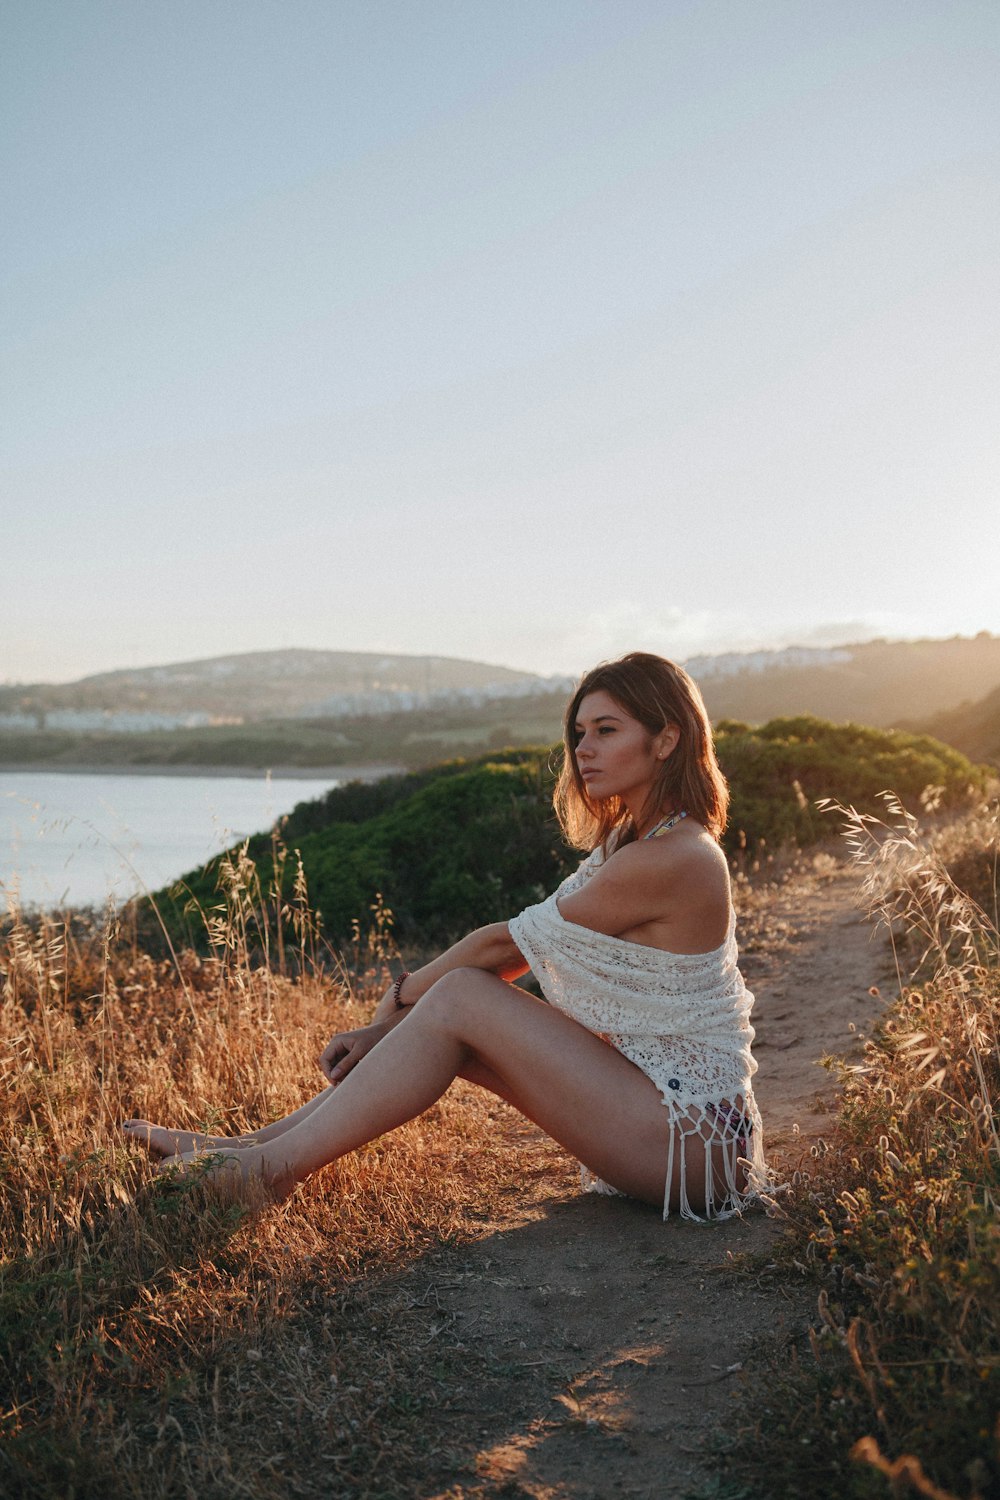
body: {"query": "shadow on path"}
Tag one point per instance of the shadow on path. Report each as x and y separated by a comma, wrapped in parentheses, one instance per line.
(601, 1346)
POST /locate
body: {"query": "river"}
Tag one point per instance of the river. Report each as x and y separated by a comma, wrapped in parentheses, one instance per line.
(76, 839)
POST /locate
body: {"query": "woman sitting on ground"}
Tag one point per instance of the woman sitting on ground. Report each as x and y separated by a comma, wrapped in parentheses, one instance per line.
(638, 1060)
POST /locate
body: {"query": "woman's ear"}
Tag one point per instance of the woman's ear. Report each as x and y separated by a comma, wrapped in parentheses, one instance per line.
(666, 741)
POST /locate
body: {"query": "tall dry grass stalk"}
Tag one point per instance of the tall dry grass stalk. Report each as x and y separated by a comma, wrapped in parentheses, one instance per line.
(952, 941)
(157, 1340)
(898, 1216)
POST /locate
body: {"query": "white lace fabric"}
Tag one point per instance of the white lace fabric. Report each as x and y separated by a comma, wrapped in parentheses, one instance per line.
(684, 1019)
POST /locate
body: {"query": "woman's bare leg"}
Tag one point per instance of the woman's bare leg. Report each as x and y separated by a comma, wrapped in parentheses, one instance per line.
(164, 1141)
(582, 1092)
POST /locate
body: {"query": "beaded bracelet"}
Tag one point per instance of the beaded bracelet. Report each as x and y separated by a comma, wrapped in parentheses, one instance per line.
(397, 986)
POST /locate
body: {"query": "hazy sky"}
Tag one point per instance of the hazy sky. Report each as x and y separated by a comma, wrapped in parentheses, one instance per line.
(527, 330)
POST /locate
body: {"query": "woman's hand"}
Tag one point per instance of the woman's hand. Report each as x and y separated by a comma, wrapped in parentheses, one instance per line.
(344, 1051)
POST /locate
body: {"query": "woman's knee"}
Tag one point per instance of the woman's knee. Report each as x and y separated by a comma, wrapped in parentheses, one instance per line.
(451, 1000)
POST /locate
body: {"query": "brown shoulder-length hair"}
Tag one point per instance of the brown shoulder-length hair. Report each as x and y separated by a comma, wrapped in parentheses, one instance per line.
(659, 694)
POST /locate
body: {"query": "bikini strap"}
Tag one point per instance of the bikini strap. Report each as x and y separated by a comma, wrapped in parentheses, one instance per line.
(666, 824)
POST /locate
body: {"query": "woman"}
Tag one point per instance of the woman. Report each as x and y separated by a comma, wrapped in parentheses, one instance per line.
(638, 1061)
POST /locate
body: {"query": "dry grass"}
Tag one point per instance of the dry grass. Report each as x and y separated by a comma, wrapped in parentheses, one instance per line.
(161, 1341)
(898, 1216)
(157, 1340)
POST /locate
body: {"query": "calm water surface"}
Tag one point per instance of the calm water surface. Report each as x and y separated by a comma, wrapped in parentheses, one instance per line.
(75, 839)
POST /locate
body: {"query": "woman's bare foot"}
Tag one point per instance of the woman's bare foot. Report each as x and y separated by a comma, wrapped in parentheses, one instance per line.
(165, 1143)
(227, 1166)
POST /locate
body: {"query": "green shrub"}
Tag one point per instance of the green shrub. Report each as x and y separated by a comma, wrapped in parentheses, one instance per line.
(779, 771)
(470, 845)
(469, 842)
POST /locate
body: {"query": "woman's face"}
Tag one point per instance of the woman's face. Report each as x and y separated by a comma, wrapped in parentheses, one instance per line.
(617, 756)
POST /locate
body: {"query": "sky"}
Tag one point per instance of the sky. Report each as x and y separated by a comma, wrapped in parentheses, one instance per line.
(530, 331)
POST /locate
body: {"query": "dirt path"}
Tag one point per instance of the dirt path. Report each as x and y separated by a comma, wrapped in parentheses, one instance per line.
(812, 959)
(603, 1346)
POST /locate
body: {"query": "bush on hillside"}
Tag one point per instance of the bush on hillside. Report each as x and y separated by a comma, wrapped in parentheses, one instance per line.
(357, 801)
(778, 771)
(468, 847)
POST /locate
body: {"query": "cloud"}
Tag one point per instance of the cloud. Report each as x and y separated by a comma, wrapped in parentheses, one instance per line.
(602, 634)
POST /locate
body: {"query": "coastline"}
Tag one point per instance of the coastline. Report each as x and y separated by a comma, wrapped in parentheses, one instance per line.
(250, 773)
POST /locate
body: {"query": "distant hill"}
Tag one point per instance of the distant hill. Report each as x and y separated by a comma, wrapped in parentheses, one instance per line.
(334, 708)
(415, 737)
(259, 685)
(878, 682)
(973, 728)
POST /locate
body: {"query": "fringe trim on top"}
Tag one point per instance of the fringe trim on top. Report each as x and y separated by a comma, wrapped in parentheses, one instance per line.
(735, 1174)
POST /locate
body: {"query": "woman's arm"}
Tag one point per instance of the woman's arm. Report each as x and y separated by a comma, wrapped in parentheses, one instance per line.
(635, 886)
(491, 948)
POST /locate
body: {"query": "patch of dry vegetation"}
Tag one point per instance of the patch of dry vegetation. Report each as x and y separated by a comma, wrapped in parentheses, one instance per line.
(156, 1340)
(898, 1216)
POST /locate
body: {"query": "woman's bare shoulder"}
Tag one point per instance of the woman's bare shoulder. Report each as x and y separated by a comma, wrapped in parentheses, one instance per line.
(670, 892)
(686, 859)
(687, 846)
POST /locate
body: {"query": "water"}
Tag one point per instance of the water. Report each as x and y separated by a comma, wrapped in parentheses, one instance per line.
(76, 839)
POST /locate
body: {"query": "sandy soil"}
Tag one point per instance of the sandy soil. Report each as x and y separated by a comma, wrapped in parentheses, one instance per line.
(604, 1347)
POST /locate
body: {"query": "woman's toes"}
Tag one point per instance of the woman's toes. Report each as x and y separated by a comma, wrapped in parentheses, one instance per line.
(155, 1138)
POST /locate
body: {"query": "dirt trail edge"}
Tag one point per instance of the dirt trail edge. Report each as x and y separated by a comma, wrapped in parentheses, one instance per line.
(603, 1346)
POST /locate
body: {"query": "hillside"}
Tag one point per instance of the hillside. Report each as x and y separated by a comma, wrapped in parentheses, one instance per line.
(311, 709)
(452, 1281)
(261, 685)
(470, 842)
(414, 737)
(973, 728)
(448, 1291)
(877, 682)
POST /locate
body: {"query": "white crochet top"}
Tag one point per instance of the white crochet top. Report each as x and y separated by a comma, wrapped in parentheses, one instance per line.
(684, 1019)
